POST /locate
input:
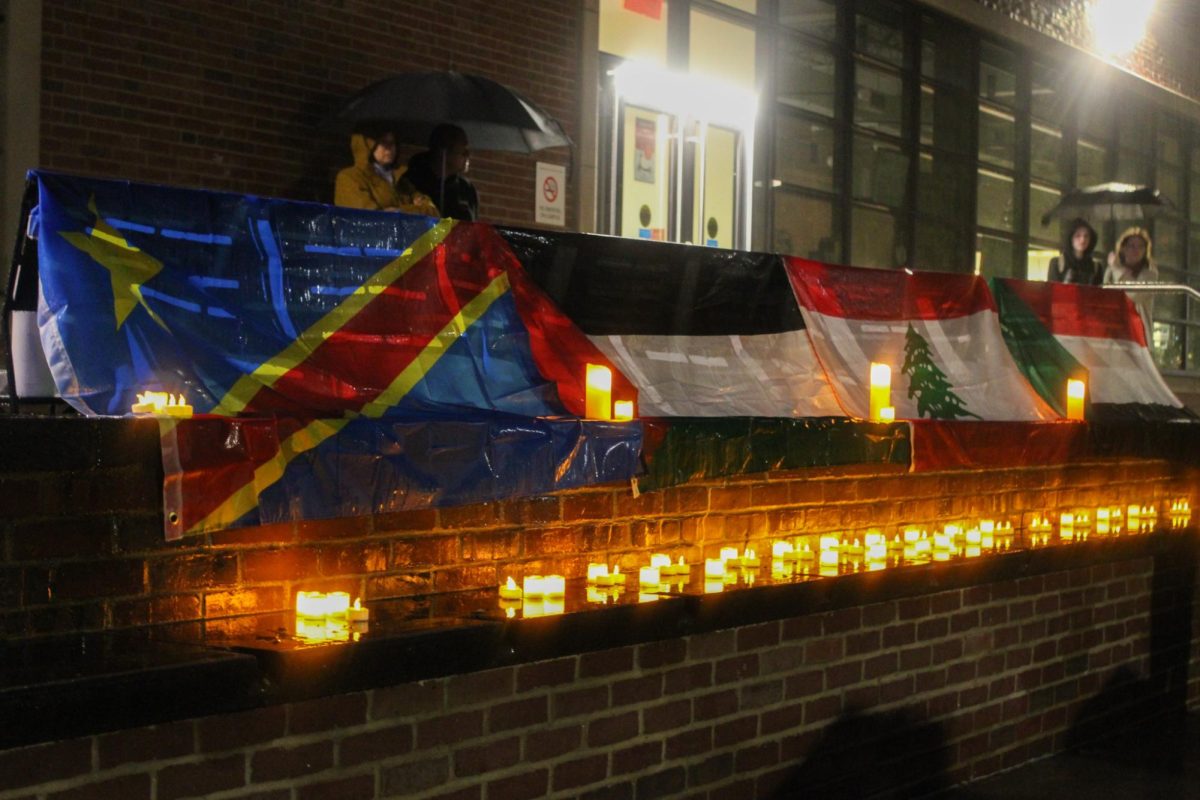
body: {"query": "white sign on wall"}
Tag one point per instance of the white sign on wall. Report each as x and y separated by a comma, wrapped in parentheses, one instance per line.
(550, 195)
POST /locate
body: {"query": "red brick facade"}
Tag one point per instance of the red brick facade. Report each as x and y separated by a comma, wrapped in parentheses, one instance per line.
(228, 95)
(974, 680)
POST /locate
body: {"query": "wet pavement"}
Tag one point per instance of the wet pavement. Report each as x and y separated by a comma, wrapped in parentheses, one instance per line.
(1157, 763)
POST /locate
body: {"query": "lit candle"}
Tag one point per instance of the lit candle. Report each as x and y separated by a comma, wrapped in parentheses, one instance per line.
(974, 537)
(712, 587)
(595, 572)
(1076, 391)
(729, 554)
(680, 568)
(648, 576)
(534, 586)
(310, 605)
(337, 604)
(750, 559)
(805, 553)
(660, 560)
(881, 390)
(594, 595)
(714, 568)
(887, 414)
(356, 614)
(623, 410)
(598, 397)
(1066, 525)
(1102, 525)
(780, 548)
(510, 590)
(554, 586)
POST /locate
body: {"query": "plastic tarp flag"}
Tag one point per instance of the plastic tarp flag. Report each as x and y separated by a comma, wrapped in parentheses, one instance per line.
(1050, 326)
(939, 333)
(375, 343)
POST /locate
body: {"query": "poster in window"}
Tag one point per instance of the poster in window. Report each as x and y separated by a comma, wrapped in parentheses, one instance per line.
(645, 135)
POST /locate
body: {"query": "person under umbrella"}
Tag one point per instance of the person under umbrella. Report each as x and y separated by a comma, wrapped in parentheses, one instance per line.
(370, 183)
(1075, 263)
(1133, 262)
(440, 173)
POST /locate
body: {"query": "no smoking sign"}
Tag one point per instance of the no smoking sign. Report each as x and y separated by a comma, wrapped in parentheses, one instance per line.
(550, 206)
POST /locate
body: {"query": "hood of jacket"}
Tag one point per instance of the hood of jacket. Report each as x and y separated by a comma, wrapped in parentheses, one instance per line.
(361, 147)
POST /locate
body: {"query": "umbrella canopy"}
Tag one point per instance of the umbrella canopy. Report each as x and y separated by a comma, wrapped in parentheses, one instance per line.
(1110, 201)
(494, 116)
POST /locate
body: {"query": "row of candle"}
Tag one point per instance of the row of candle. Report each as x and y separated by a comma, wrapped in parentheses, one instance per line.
(598, 402)
(162, 404)
(879, 398)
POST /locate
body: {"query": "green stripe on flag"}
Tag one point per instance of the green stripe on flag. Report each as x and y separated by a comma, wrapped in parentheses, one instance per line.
(1045, 363)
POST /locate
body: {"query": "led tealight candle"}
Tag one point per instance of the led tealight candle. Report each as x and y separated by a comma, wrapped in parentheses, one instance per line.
(510, 590)
(310, 605)
(598, 392)
(877, 552)
(1076, 391)
(337, 604)
(356, 614)
(679, 568)
(779, 548)
(554, 586)
(714, 568)
(941, 542)
(1066, 525)
(712, 587)
(613, 578)
(881, 390)
(1133, 515)
(595, 572)
(872, 537)
(729, 554)
(1102, 525)
(648, 576)
(750, 559)
(534, 586)
(805, 553)
(895, 545)
(660, 560)
(623, 410)
(974, 537)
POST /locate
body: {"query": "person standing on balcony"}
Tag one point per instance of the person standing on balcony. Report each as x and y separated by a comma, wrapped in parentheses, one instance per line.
(440, 172)
(1133, 262)
(1076, 263)
(370, 183)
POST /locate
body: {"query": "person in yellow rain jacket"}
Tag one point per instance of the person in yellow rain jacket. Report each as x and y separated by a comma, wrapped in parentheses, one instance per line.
(371, 182)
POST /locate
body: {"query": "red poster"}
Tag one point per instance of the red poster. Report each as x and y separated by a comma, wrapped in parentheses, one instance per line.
(649, 8)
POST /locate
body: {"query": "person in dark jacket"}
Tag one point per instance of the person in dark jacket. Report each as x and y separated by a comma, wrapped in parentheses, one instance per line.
(1075, 263)
(440, 173)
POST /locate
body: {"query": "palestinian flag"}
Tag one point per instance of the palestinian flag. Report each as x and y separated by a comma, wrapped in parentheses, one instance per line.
(374, 361)
(700, 332)
(1058, 330)
(938, 332)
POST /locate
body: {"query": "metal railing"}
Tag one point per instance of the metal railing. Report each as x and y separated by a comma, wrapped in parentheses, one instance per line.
(1150, 288)
(1175, 364)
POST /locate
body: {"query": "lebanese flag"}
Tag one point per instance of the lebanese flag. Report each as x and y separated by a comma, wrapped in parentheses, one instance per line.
(939, 333)
(1101, 331)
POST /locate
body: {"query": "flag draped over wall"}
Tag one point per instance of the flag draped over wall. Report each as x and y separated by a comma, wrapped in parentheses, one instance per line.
(363, 346)
(346, 362)
(939, 334)
(1060, 330)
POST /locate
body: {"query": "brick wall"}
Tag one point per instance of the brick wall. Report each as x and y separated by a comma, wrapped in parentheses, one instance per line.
(926, 690)
(228, 95)
(81, 521)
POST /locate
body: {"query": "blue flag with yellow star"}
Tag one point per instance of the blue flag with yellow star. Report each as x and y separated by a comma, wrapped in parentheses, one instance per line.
(334, 357)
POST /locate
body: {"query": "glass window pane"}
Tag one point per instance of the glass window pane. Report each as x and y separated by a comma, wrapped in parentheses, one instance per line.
(878, 99)
(940, 248)
(1045, 102)
(995, 257)
(946, 53)
(1194, 251)
(1170, 151)
(804, 226)
(805, 77)
(1168, 245)
(945, 119)
(943, 187)
(879, 40)
(880, 172)
(1194, 196)
(1166, 345)
(1134, 143)
(994, 201)
(997, 75)
(1037, 265)
(997, 137)
(632, 35)
(1045, 154)
(1091, 163)
(749, 6)
(1170, 183)
(804, 152)
(1041, 200)
(814, 17)
(876, 239)
(721, 49)
(1095, 114)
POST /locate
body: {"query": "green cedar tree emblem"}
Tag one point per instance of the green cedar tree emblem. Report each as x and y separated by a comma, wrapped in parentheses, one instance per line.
(926, 381)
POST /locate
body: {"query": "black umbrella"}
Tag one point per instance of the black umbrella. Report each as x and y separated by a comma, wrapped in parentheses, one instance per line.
(1110, 201)
(494, 116)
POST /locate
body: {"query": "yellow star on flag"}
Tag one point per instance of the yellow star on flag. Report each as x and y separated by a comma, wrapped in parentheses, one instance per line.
(129, 267)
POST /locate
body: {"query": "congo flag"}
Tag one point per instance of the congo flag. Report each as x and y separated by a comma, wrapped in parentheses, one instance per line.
(357, 350)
